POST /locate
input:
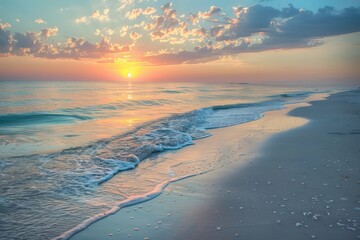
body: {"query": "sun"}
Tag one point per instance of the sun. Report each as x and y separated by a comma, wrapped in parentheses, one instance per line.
(129, 75)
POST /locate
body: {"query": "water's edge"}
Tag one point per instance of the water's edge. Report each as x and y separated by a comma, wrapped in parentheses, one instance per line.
(158, 190)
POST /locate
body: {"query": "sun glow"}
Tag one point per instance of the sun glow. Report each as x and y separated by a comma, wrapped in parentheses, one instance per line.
(127, 71)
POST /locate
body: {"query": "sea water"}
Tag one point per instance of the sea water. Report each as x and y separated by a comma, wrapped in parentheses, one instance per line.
(62, 143)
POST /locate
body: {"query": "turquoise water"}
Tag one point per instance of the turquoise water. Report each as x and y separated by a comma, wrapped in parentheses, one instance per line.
(60, 142)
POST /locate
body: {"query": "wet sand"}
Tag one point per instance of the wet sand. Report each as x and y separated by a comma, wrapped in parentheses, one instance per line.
(299, 184)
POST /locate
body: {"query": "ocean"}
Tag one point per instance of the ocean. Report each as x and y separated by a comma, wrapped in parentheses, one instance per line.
(70, 151)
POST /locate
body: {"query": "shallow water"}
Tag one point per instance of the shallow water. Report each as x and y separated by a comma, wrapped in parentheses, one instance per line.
(61, 141)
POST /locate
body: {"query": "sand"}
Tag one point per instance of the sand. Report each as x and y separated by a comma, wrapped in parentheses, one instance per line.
(301, 183)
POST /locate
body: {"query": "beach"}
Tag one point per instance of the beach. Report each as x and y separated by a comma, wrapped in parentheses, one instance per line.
(179, 120)
(300, 183)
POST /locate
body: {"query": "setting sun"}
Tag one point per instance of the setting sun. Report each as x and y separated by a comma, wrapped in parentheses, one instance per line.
(129, 75)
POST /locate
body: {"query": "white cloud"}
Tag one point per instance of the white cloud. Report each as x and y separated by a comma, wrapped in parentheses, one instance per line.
(96, 15)
(5, 25)
(109, 31)
(123, 31)
(40, 21)
(81, 20)
(124, 4)
(136, 12)
(102, 17)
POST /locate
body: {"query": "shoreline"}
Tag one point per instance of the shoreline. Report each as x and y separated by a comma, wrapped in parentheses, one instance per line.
(287, 123)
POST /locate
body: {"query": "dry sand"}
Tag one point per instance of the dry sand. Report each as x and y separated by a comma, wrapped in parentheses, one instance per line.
(301, 184)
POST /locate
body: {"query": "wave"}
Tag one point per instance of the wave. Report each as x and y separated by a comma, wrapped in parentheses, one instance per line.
(38, 118)
(98, 109)
(70, 115)
(76, 170)
(171, 91)
(292, 94)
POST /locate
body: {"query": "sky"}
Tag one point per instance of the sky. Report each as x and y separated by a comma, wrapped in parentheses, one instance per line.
(181, 40)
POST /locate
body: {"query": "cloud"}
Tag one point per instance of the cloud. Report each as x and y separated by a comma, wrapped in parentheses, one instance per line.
(291, 23)
(81, 20)
(6, 39)
(212, 11)
(216, 31)
(124, 4)
(25, 44)
(199, 32)
(238, 11)
(250, 20)
(148, 11)
(195, 17)
(326, 22)
(96, 15)
(204, 36)
(102, 17)
(167, 27)
(5, 25)
(123, 30)
(39, 21)
(204, 53)
(134, 13)
(34, 44)
(135, 35)
(158, 35)
(276, 29)
(166, 6)
(49, 32)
